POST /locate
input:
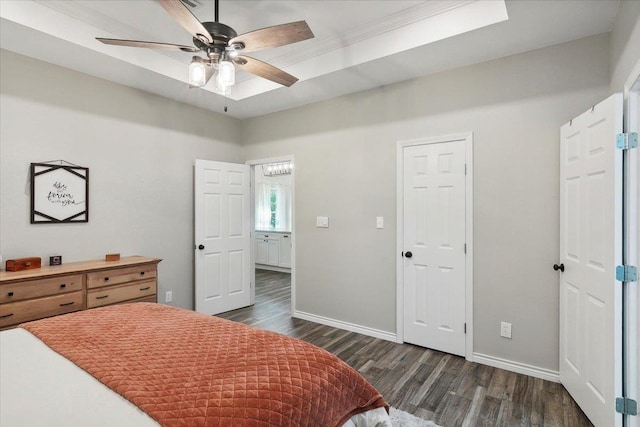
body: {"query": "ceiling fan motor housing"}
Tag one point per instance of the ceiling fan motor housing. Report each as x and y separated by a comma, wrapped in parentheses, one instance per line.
(221, 35)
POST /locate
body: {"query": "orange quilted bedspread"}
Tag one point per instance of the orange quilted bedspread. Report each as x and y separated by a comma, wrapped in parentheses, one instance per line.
(187, 369)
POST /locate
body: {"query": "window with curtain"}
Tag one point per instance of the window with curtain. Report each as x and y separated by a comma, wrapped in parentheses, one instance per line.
(273, 206)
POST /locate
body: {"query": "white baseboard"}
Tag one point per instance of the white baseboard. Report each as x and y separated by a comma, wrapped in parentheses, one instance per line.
(351, 327)
(517, 367)
(273, 268)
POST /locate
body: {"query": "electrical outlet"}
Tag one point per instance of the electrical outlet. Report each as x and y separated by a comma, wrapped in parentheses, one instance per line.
(168, 296)
(322, 222)
(505, 330)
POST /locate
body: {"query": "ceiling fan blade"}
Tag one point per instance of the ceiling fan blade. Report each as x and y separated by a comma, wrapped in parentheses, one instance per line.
(278, 35)
(150, 45)
(264, 70)
(181, 13)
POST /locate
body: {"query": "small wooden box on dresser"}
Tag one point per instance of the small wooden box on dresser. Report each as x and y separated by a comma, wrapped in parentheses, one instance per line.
(48, 291)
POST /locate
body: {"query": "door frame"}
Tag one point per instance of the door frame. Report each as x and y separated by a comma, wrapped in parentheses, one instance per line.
(631, 294)
(252, 211)
(467, 138)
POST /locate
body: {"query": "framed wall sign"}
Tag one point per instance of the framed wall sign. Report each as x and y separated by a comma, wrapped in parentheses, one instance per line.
(59, 193)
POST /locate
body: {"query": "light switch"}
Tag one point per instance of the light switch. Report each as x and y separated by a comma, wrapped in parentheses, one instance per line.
(379, 222)
(322, 221)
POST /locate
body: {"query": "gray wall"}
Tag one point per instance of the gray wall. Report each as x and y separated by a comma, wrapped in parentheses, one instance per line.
(140, 150)
(345, 151)
(624, 52)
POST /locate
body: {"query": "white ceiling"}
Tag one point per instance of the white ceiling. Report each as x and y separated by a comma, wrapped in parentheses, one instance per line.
(358, 44)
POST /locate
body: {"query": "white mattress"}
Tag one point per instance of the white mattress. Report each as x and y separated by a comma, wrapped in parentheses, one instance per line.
(38, 387)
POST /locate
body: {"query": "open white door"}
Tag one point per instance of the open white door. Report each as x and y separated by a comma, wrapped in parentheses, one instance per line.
(222, 236)
(590, 249)
(433, 244)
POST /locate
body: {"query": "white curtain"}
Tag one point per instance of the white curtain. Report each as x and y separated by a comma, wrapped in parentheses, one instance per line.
(283, 206)
(263, 206)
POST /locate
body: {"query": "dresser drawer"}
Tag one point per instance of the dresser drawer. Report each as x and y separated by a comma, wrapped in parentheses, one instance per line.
(23, 311)
(115, 294)
(120, 275)
(41, 287)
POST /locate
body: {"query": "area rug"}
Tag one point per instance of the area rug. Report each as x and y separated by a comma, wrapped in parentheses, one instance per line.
(405, 419)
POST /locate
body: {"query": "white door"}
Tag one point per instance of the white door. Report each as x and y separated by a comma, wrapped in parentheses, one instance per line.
(434, 245)
(222, 236)
(590, 248)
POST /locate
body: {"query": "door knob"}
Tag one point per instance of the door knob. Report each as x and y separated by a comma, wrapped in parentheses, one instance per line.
(408, 254)
(557, 267)
(201, 247)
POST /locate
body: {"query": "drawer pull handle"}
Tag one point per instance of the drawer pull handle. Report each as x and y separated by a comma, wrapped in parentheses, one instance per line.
(67, 303)
(6, 315)
(142, 273)
(63, 285)
(10, 294)
(102, 297)
(145, 289)
(106, 279)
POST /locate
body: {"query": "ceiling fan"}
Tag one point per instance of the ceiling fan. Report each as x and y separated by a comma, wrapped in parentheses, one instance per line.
(225, 48)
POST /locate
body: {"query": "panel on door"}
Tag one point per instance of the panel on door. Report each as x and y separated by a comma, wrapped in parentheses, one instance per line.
(222, 236)
(590, 247)
(434, 238)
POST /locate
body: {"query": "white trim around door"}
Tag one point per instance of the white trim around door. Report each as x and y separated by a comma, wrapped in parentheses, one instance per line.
(253, 164)
(467, 139)
(631, 293)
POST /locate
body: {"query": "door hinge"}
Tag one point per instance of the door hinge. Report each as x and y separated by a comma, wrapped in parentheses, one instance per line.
(626, 406)
(465, 328)
(626, 273)
(465, 248)
(465, 168)
(626, 141)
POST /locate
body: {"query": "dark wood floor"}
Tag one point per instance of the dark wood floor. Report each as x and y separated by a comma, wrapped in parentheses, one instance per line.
(432, 385)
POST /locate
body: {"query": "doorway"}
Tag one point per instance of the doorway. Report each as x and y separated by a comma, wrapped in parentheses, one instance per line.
(435, 243)
(273, 218)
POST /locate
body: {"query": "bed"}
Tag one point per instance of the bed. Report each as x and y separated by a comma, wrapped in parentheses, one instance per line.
(146, 364)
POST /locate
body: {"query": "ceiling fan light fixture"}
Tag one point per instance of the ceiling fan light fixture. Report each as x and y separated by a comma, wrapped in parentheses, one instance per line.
(226, 74)
(197, 72)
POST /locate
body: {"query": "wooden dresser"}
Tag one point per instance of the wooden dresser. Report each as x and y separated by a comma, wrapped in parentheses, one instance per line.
(48, 291)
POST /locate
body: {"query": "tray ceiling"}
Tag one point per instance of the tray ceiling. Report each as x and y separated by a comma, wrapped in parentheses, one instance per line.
(358, 45)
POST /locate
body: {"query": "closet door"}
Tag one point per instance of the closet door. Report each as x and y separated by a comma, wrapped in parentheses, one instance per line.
(433, 227)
